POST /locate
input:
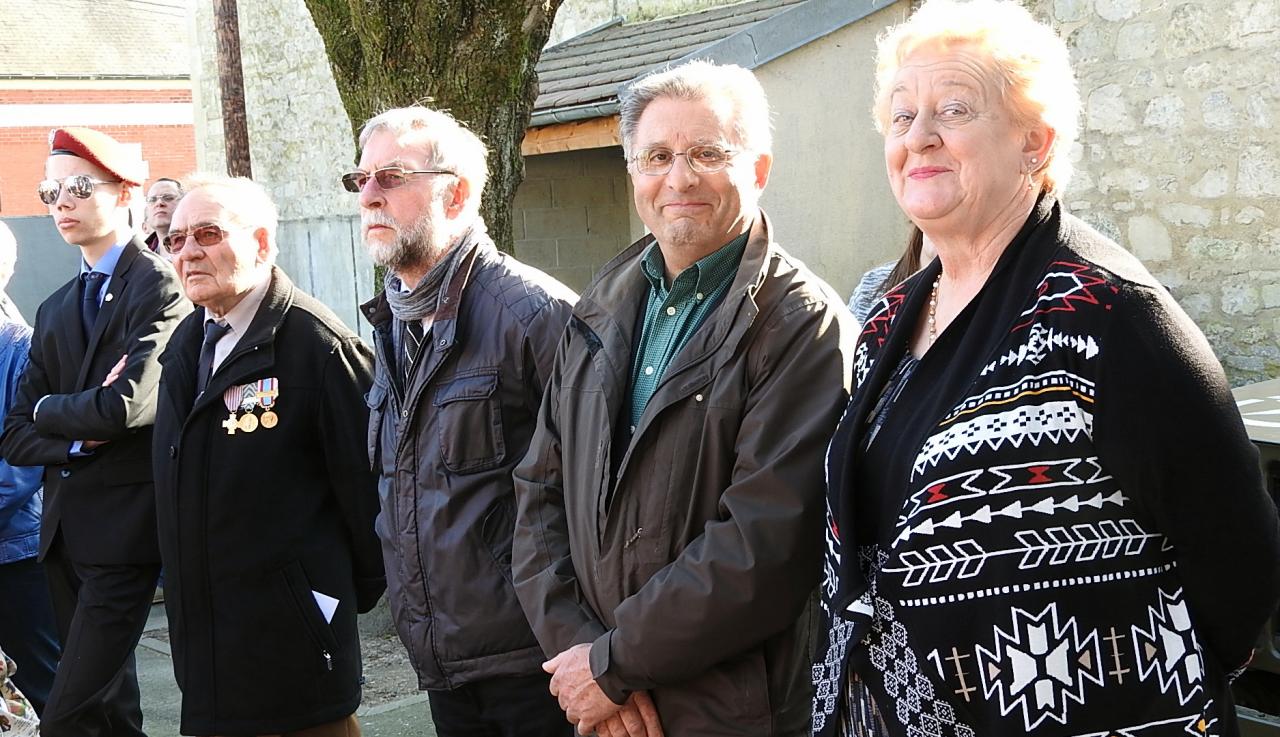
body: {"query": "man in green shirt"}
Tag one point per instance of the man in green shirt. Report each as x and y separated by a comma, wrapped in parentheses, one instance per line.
(668, 536)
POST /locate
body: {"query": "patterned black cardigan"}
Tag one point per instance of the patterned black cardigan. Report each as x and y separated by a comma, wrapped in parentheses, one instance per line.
(1085, 546)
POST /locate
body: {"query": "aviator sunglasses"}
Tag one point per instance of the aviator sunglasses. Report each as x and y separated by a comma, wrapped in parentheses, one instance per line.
(79, 186)
(388, 177)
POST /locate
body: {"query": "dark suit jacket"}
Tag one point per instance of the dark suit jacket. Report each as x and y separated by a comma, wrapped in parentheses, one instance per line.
(252, 522)
(102, 503)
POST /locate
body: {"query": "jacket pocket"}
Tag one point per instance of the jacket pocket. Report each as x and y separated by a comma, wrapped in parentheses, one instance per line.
(304, 602)
(376, 400)
(470, 423)
(497, 530)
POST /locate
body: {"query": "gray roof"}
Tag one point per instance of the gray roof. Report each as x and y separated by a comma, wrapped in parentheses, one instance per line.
(581, 77)
(113, 39)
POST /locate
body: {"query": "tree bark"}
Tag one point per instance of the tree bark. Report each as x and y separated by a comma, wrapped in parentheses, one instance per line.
(474, 58)
(235, 126)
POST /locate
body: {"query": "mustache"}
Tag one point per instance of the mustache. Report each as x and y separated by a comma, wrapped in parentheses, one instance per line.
(376, 217)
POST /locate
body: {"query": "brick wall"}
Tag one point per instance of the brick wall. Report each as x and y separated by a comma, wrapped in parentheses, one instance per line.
(572, 214)
(170, 149)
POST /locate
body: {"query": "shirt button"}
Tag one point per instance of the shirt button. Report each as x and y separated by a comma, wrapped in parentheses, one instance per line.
(648, 371)
(404, 413)
(65, 473)
(173, 452)
(633, 428)
(697, 397)
(671, 311)
(699, 296)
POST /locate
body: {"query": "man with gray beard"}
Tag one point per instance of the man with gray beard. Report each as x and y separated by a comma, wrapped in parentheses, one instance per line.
(464, 339)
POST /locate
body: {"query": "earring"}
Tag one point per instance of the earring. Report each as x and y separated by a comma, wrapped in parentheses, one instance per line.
(1034, 161)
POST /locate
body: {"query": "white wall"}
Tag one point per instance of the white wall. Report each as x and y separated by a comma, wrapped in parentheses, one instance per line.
(829, 196)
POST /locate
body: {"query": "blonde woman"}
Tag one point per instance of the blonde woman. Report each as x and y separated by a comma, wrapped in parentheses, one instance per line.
(1045, 517)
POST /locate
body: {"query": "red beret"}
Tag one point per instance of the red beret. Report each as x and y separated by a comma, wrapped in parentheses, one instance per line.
(101, 149)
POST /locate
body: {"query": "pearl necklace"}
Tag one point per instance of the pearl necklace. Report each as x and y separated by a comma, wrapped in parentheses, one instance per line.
(933, 310)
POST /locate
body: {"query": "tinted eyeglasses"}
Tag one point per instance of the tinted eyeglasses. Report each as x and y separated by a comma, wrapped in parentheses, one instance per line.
(79, 186)
(205, 235)
(388, 177)
(153, 199)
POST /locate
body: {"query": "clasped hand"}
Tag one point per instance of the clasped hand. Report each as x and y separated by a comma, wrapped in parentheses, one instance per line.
(587, 706)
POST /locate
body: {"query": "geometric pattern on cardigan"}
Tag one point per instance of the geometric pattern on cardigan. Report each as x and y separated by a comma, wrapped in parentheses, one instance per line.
(1039, 663)
(911, 692)
(1008, 479)
(1036, 548)
(1055, 422)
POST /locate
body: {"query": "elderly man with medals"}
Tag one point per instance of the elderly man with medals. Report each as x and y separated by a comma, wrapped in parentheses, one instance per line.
(265, 501)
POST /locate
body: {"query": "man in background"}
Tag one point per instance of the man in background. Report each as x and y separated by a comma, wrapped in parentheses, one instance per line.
(162, 200)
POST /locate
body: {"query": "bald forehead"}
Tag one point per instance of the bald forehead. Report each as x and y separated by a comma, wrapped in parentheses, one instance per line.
(198, 207)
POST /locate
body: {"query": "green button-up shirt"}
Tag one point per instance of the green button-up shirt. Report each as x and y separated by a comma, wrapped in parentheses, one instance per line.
(672, 314)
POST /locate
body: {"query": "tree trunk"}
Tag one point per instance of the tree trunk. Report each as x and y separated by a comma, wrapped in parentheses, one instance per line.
(474, 58)
(235, 125)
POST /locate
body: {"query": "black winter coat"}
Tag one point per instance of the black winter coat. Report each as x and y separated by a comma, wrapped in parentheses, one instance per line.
(102, 503)
(251, 523)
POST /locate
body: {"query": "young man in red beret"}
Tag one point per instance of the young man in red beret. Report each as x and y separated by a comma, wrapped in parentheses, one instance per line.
(84, 411)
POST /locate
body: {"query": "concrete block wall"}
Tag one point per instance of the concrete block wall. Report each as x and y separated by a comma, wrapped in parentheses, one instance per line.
(573, 213)
(1178, 158)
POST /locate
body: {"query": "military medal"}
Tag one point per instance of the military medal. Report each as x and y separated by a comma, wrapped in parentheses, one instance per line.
(231, 399)
(248, 422)
(267, 390)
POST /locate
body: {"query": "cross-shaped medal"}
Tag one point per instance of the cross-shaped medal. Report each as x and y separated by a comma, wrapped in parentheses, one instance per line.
(230, 424)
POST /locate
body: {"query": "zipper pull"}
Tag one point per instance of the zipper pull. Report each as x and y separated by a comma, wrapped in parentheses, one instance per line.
(328, 660)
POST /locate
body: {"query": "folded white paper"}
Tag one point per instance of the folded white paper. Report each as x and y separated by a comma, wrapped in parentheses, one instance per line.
(328, 605)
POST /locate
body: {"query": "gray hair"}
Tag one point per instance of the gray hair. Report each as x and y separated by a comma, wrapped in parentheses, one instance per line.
(247, 203)
(703, 80)
(451, 144)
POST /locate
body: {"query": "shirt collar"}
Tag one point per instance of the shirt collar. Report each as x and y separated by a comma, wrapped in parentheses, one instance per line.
(106, 264)
(704, 276)
(241, 316)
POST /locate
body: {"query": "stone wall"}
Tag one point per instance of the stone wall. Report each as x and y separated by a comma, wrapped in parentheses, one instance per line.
(1179, 155)
(299, 134)
(573, 213)
(300, 142)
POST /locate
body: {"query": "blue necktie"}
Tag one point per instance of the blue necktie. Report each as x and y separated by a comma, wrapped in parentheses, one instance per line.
(213, 332)
(91, 286)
